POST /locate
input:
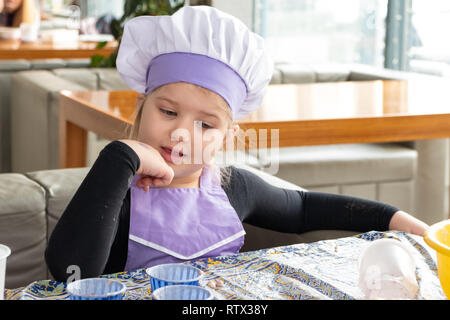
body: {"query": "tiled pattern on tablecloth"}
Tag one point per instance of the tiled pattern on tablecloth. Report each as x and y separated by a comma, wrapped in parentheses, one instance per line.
(321, 270)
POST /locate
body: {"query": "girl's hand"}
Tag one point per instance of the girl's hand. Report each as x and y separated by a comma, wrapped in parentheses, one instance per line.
(402, 221)
(154, 170)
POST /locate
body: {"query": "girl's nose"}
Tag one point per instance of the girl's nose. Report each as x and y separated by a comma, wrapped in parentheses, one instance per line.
(181, 135)
(184, 130)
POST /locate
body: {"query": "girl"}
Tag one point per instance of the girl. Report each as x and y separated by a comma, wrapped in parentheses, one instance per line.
(150, 199)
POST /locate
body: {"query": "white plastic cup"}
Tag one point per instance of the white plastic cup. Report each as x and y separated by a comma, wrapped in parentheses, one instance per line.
(4, 253)
(387, 271)
(29, 32)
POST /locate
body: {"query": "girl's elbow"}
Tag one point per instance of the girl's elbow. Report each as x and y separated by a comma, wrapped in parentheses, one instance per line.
(54, 267)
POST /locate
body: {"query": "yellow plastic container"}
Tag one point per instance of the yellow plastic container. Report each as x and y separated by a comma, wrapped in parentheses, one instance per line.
(438, 238)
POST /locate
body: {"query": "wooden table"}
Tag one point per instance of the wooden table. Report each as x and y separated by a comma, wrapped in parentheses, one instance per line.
(308, 114)
(14, 49)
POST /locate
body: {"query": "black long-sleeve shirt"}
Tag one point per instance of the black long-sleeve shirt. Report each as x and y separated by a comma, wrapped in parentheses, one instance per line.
(92, 233)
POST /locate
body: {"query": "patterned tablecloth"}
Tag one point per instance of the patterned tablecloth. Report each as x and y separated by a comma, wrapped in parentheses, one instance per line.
(321, 270)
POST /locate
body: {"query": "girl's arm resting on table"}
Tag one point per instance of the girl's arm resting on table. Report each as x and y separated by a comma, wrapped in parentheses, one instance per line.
(86, 230)
(296, 211)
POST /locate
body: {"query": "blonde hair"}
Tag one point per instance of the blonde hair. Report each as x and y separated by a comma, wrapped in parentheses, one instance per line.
(131, 132)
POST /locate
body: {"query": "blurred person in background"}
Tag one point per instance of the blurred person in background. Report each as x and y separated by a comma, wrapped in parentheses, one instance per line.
(14, 12)
(11, 13)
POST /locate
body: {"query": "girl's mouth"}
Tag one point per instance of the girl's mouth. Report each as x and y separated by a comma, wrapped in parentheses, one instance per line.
(170, 156)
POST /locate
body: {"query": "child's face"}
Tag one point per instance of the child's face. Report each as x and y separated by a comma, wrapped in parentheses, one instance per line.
(10, 5)
(186, 118)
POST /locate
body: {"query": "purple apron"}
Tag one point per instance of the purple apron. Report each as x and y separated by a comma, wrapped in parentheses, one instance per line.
(177, 224)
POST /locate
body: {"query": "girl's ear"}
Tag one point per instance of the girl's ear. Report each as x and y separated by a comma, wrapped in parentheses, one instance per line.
(140, 99)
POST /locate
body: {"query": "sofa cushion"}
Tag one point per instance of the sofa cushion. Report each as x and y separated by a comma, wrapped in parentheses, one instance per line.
(296, 73)
(109, 79)
(276, 77)
(81, 76)
(22, 209)
(340, 164)
(5, 122)
(78, 63)
(14, 65)
(60, 186)
(44, 64)
(398, 193)
(331, 73)
(300, 73)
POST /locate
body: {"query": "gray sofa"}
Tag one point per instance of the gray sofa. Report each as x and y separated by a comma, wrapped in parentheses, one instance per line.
(33, 202)
(9, 68)
(411, 175)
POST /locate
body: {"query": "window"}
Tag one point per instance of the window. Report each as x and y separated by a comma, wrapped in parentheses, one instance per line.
(323, 31)
(429, 48)
(99, 8)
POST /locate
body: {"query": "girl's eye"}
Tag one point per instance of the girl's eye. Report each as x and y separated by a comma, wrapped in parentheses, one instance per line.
(172, 113)
(168, 112)
(204, 125)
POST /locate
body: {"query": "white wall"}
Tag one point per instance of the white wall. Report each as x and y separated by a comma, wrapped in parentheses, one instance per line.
(241, 9)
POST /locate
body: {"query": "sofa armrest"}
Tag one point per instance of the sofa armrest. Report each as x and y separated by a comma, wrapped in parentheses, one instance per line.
(60, 186)
(23, 228)
(35, 119)
(431, 193)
